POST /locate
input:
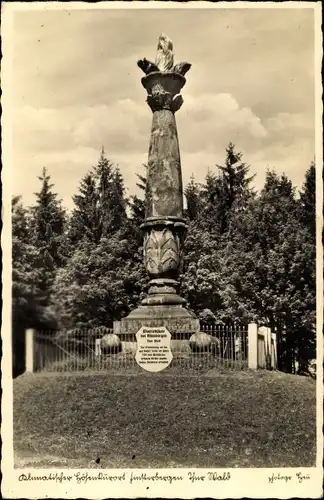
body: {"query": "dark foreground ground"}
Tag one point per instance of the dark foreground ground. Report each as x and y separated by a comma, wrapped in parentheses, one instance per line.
(223, 419)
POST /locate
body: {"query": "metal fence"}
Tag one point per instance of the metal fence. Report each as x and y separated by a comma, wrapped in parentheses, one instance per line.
(82, 350)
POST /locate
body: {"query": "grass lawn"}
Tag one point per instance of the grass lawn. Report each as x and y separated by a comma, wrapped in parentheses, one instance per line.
(222, 419)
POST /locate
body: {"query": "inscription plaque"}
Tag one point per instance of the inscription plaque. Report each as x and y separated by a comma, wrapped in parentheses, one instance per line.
(153, 348)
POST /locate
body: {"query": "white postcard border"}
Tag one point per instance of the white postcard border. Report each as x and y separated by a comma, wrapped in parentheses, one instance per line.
(251, 483)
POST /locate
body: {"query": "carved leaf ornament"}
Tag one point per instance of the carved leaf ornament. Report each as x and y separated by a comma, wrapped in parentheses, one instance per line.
(161, 252)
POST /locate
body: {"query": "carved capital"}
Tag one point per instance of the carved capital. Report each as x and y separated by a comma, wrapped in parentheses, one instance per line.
(164, 100)
(159, 100)
(162, 252)
(164, 90)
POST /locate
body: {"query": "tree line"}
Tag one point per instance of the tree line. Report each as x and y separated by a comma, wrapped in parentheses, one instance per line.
(248, 256)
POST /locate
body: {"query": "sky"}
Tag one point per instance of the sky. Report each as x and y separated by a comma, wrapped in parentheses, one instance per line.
(77, 87)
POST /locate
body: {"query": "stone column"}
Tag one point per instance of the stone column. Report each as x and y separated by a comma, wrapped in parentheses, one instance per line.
(164, 227)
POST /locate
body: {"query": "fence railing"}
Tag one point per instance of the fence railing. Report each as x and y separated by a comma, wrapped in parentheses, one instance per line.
(234, 347)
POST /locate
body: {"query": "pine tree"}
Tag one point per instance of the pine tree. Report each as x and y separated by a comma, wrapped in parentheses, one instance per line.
(48, 220)
(111, 195)
(86, 217)
(307, 330)
(224, 191)
(142, 179)
(105, 275)
(199, 282)
(210, 208)
(100, 205)
(268, 271)
(193, 198)
(308, 201)
(232, 186)
(47, 232)
(28, 298)
(137, 210)
(117, 203)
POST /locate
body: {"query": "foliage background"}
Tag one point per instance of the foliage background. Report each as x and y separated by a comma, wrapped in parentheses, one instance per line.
(248, 256)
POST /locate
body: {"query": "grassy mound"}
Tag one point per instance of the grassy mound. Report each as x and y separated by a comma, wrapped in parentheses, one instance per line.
(224, 419)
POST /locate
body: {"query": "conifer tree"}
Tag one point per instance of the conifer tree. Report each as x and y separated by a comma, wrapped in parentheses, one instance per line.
(47, 232)
(116, 204)
(86, 218)
(29, 300)
(210, 208)
(111, 195)
(105, 275)
(308, 201)
(48, 219)
(268, 270)
(142, 179)
(26, 298)
(232, 186)
(100, 205)
(193, 197)
(136, 204)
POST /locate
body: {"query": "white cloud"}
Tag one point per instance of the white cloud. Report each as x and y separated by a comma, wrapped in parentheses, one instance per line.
(300, 123)
(222, 111)
(79, 88)
(68, 140)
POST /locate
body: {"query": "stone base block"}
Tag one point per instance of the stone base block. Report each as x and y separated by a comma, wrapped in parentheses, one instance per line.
(180, 322)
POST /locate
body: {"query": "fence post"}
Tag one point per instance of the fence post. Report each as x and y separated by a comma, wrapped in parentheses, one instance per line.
(274, 350)
(98, 347)
(268, 349)
(29, 356)
(116, 327)
(253, 346)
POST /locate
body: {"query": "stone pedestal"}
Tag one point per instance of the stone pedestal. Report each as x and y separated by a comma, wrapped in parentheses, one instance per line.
(177, 319)
(164, 227)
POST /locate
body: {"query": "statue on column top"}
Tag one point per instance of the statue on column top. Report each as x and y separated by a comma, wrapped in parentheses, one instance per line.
(164, 54)
(164, 60)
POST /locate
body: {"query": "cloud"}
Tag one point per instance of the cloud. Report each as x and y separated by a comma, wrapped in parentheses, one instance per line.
(215, 119)
(77, 87)
(68, 140)
(123, 123)
(295, 123)
(119, 124)
(126, 123)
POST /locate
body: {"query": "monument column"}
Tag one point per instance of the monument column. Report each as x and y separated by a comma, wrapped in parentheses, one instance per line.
(164, 227)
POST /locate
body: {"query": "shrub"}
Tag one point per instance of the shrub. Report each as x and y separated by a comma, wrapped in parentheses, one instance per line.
(207, 316)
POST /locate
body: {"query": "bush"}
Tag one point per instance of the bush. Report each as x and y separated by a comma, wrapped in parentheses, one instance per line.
(207, 316)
